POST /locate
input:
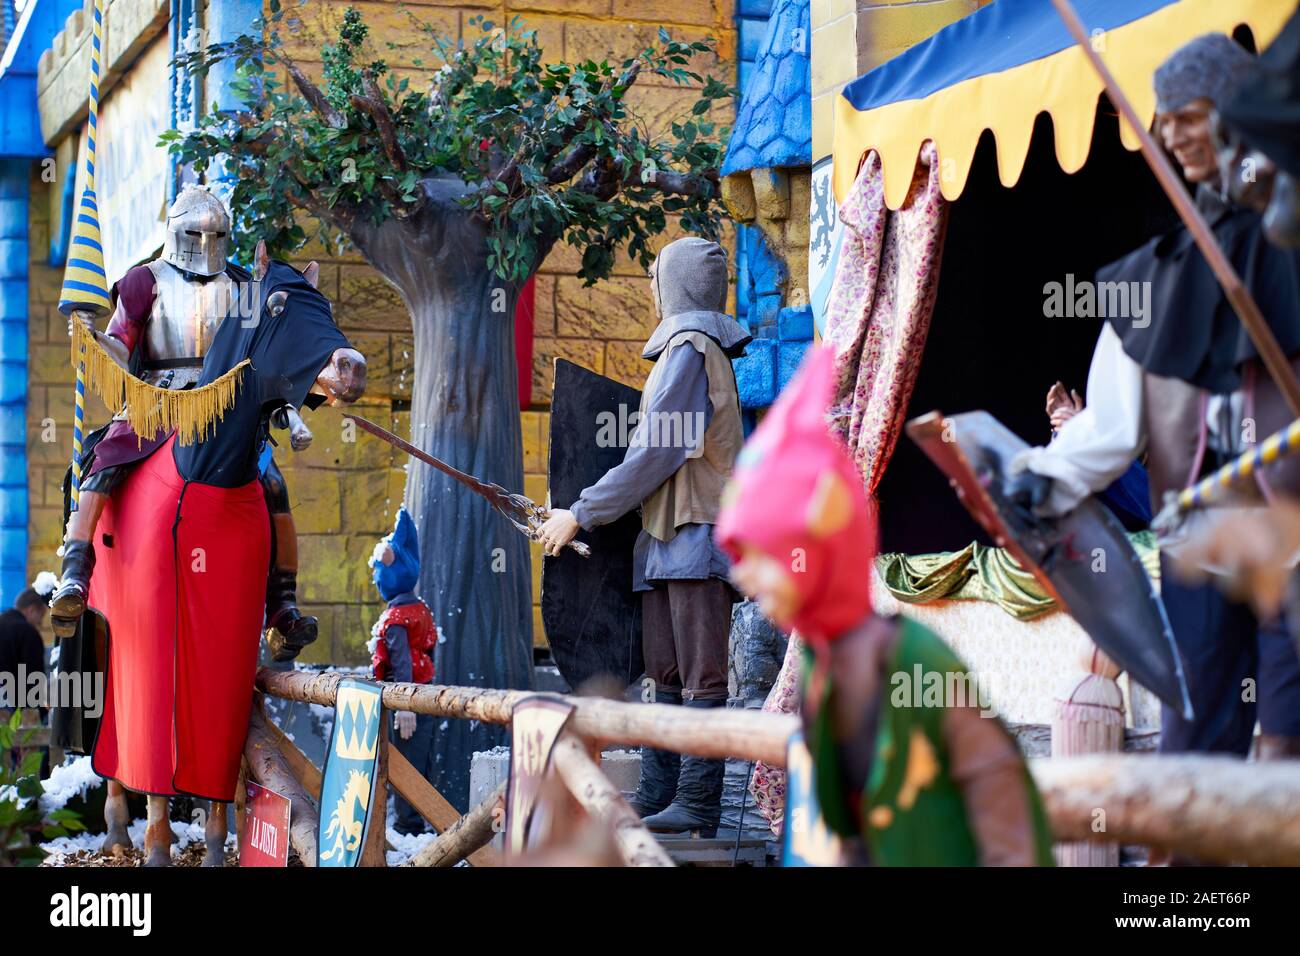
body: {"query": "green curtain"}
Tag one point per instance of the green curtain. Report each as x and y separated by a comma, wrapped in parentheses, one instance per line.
(981, 573)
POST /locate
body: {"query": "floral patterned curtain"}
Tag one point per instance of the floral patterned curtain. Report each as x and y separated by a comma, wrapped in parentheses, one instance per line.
(878, 315)
(880, 305)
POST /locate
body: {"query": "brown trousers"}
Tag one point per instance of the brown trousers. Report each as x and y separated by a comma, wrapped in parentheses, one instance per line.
(684, 631)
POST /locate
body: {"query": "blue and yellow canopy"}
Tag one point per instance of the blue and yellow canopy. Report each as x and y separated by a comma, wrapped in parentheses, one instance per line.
(998, 68)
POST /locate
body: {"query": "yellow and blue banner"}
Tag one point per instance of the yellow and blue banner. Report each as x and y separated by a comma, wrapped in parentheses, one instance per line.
(806, 840)
(85, 286)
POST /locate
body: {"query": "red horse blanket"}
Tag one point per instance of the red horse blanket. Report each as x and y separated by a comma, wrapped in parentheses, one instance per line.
(181, 577)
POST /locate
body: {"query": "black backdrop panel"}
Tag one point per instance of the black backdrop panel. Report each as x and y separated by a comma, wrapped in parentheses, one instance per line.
(591, 614)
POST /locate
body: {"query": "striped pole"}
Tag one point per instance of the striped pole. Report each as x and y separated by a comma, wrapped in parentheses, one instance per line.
(85, 285)
(1268, 451)
(1277, 445)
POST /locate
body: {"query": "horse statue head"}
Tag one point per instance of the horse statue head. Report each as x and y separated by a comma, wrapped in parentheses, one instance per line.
(296, 356)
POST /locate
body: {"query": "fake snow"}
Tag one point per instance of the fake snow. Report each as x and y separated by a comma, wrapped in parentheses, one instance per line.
(66, 781)
(45, 583)
(74, 778)
(404, 846)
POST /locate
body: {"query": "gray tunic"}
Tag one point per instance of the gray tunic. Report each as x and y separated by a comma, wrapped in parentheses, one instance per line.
(692, 554)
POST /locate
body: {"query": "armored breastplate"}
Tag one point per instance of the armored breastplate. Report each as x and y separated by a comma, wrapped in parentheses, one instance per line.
(185, 317)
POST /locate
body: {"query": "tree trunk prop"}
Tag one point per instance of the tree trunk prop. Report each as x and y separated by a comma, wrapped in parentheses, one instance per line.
(468, 837)
(475, 571)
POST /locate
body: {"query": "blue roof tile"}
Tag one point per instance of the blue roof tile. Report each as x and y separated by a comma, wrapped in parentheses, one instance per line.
(774, 124)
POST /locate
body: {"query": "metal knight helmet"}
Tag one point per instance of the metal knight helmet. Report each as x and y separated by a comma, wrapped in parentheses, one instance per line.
(198, 232)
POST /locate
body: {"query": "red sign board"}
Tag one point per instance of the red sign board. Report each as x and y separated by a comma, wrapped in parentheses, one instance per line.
(265, 837)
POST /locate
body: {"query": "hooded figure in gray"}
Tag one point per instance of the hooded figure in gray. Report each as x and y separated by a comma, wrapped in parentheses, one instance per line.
(678, 460)
(688, 431)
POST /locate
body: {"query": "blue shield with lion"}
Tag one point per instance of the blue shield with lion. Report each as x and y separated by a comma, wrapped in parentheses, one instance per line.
(347, 794)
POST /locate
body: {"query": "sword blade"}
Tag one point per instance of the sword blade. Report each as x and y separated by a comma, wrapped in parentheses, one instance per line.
(520, 510)
(469, 481)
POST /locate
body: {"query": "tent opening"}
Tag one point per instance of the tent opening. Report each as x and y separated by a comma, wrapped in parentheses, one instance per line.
(991, 345)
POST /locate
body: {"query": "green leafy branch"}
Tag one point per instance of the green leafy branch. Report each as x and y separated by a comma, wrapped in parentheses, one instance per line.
(552, 151)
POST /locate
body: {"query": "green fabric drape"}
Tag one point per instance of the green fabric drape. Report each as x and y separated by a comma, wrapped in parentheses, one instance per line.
(981, 573)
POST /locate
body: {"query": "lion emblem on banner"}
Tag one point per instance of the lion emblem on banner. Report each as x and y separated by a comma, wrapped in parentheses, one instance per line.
(347, 822)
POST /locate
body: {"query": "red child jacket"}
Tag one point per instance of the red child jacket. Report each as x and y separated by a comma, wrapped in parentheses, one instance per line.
(421, 634)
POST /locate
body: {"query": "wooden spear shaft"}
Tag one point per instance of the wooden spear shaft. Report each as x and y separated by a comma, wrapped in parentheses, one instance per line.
(1243, 303)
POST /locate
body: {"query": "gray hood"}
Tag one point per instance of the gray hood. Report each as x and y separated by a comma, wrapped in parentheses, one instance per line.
(722, 328)
(689, 282)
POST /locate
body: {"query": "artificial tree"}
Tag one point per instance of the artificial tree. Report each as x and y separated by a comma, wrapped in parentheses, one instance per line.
(455, 193)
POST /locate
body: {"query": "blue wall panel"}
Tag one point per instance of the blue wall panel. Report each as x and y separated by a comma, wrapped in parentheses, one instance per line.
(14, 187)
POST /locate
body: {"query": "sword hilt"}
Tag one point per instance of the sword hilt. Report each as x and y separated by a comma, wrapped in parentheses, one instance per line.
(527, 516)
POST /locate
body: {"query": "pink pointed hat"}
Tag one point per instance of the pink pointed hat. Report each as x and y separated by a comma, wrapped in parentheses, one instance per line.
(796, 495)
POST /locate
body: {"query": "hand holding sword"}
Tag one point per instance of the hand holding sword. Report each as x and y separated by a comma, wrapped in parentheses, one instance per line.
(558, 530)
(520, 510)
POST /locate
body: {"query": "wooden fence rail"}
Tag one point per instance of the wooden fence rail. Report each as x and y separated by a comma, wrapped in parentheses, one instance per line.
(749, 734)
(1212, 807)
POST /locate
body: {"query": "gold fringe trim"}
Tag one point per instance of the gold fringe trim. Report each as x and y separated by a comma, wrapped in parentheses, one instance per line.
(191, 413)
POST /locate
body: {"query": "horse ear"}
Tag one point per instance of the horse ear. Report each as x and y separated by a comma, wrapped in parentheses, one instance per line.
(261, 261)
(312, 273)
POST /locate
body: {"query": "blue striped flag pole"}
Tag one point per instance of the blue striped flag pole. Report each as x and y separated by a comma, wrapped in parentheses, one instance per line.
(85, 285)
(1277, 445)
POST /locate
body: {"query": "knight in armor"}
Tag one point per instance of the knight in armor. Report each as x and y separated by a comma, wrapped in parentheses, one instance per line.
(166, 313)
(401, 645)
(907, 776)
(686, 440)
(1184, 384)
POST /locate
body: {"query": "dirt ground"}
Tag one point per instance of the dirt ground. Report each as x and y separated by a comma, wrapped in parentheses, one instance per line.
(191, 855)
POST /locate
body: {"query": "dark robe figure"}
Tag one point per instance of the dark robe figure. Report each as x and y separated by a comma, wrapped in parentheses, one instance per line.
(1181, 380)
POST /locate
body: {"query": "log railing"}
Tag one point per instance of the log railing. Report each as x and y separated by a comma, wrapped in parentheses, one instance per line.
(1215, 808)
